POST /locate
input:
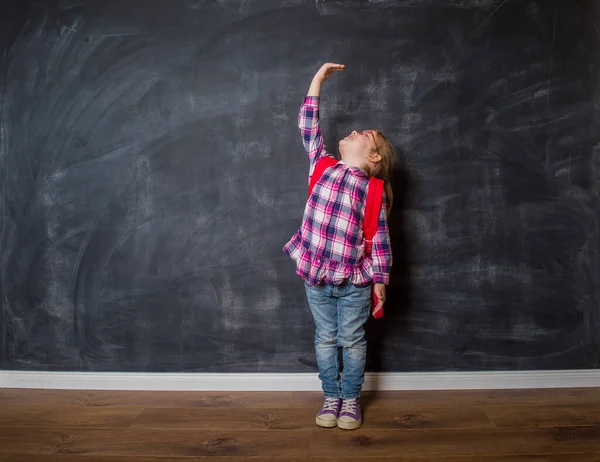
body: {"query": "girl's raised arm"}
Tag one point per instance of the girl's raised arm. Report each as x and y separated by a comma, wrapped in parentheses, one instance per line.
(308, 118)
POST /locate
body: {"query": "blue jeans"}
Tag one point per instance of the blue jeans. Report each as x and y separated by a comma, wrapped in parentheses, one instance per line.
(340, 314)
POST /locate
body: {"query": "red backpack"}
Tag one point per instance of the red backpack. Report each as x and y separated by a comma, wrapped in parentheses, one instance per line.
(372, 209)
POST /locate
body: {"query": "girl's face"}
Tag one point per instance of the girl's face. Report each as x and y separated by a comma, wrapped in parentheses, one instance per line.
(359, 148)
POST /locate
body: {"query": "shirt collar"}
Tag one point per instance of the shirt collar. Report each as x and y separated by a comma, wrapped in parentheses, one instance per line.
(357, 171)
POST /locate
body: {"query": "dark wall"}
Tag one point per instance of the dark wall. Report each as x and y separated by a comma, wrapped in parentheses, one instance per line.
(151, 171)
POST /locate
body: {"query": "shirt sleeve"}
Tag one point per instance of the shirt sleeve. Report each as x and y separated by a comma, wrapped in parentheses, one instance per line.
(381, 252)
(308, 122)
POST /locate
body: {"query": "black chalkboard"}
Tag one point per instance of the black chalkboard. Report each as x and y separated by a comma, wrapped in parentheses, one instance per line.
(151, 171)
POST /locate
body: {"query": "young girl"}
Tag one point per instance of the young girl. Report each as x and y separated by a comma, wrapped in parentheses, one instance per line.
(329, 250)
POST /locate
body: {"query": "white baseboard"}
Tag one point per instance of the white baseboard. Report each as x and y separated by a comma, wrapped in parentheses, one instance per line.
(297, 382)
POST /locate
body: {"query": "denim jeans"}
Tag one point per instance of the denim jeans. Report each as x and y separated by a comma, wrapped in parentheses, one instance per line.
(340, 314)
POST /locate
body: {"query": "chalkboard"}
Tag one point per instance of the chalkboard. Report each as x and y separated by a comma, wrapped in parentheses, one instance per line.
(151, 171)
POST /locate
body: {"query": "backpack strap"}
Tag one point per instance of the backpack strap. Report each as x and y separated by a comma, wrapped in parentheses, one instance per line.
(370, 225)
(322, 164)
(372, 209)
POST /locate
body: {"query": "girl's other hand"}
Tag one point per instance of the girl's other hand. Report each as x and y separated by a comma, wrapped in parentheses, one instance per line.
(380, 293)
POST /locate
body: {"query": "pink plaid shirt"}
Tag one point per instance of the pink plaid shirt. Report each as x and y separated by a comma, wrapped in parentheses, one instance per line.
(329, 247)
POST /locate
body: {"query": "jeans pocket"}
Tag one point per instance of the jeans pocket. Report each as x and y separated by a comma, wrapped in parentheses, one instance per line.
(362, 286)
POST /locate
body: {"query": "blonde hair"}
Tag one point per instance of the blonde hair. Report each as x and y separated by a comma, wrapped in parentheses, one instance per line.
(385, 167)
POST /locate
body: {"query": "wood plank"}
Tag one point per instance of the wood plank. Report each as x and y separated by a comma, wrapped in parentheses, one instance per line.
(174, 443)
(68, 416)
(395, 417)
(568, 457)
(226, 419)
(297, 399)
(419, 398)
(256, 419)
(91, 458)
(145, 398)
(472, 442)
(395, 458)
(544, 416)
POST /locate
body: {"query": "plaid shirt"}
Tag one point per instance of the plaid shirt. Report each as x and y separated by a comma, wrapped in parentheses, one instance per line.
(329, 247)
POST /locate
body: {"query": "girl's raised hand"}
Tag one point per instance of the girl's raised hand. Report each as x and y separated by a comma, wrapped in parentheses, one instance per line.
(327, 70)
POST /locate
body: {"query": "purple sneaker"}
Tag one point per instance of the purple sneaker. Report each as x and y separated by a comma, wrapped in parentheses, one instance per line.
(350, 416)
(328, 415)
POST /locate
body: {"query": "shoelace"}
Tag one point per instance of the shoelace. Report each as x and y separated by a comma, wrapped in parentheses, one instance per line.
(331, 404)
(349, 405)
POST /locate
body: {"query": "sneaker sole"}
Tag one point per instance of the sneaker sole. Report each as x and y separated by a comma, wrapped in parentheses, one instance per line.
(349, 425)
(326, 423)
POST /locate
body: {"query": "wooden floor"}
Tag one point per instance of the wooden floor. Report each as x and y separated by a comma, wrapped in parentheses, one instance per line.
(487, 426)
